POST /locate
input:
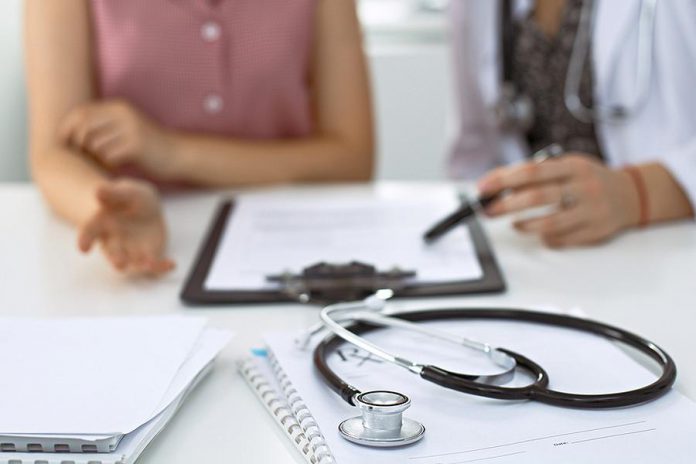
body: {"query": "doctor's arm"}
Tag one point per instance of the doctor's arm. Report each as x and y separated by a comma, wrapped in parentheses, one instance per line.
(123, 217)
(339, 149)
(595, 202)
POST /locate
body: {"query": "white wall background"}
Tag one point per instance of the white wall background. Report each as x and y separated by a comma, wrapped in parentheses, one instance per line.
(412, 89)
(412, 92)
(12, 95)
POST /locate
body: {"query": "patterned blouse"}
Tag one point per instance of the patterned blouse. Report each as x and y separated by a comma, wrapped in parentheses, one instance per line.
(539, 70)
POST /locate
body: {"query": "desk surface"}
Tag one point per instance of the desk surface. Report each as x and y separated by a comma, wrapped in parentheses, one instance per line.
(644, 281)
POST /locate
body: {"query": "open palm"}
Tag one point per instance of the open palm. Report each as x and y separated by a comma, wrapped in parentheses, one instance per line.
(129, 227)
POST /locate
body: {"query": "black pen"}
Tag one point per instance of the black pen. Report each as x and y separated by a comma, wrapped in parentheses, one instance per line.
(465, 211)
(469, 208)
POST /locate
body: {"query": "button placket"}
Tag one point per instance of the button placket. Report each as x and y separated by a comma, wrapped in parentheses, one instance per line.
(211, 32)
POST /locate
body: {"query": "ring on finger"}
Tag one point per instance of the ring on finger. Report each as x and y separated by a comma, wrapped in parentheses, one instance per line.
(568, 199)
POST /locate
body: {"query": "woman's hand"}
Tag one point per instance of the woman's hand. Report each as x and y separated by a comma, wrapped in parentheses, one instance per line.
(116, 134)
(595, 202)
(129, 227)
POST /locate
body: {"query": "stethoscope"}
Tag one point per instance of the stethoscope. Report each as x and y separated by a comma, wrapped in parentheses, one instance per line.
(515, 111)
(381, 423)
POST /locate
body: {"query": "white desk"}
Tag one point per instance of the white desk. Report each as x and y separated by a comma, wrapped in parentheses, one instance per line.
(643, 281)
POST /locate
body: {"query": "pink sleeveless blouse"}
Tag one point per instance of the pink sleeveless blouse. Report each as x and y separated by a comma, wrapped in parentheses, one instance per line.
(237, 68)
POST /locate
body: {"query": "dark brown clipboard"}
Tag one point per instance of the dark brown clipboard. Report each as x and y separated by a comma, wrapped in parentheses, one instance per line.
(194, 292)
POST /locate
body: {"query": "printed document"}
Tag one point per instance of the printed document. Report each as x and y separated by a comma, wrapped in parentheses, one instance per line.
(271, 233)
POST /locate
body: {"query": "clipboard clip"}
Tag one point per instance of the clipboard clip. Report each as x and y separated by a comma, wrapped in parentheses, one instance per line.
(328, 282)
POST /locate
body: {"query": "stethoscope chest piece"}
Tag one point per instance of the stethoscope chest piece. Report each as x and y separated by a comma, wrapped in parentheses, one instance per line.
(382, 423)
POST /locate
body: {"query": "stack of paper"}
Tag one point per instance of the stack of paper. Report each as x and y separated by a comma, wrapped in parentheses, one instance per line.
(96, 390)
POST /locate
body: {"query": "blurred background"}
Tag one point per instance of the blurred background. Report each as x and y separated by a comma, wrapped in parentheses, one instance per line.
(409, 56)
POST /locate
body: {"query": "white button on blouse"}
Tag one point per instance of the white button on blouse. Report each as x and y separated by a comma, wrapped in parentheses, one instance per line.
(211, 31)
(213, 103)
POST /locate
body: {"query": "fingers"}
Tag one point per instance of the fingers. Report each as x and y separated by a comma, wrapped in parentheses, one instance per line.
(99, 139)
(563, 222)
(161, 266)
(90, 128)
(142, 263)
(530, 197)
(135, 261)
(100, 129)
(94, 230)
(131, 233)
(83, 122)
(574, 226)
(582, 236)
(119, 152)
(524, 175)
(528, 174)
(116, 196)
(123, 257)
(116, 253)
(75, 119)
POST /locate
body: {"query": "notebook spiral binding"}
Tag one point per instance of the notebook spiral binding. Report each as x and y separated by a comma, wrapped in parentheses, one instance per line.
(302, 414)
(313, 449)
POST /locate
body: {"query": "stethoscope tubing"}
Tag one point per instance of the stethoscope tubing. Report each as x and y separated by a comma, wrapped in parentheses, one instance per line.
(539, 389)
(646, 39)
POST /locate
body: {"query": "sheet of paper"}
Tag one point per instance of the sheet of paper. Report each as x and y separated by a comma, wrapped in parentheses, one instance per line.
(462, 428)
(272, 233)
(207, 347)
(103, 376)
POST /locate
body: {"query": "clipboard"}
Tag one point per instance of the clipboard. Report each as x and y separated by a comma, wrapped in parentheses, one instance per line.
(194, 292)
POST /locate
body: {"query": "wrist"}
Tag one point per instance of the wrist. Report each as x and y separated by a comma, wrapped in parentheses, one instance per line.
(629, 201)
(635, 197)
(172, 168)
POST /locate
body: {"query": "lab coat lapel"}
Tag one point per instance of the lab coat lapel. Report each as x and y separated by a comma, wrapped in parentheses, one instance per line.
(614, 18)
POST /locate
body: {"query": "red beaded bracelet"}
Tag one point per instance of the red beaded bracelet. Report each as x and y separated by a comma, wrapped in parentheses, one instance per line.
(639, 182)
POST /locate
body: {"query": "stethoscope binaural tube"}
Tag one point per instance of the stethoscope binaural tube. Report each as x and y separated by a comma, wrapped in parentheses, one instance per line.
(515, 111)
(612, 113)
(536, 391)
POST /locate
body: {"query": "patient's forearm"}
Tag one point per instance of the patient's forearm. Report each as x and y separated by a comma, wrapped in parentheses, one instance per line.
(222, 162)
(69, 182)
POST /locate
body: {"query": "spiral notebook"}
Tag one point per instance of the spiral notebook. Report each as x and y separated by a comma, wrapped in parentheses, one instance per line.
(266, 378)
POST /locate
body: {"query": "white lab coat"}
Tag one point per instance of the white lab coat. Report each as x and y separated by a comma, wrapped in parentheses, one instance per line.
(665, 128)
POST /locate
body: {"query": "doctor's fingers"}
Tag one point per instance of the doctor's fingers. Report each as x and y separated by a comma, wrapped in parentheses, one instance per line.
(562, 222)
(528, 197)
(583, 236)
(527, 174)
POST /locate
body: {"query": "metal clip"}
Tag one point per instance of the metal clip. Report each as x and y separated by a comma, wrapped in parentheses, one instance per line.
(329, 283)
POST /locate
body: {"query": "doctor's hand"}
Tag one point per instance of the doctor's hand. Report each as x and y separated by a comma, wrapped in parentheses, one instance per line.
(115, 133)
(594, 202)
(129, 227)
